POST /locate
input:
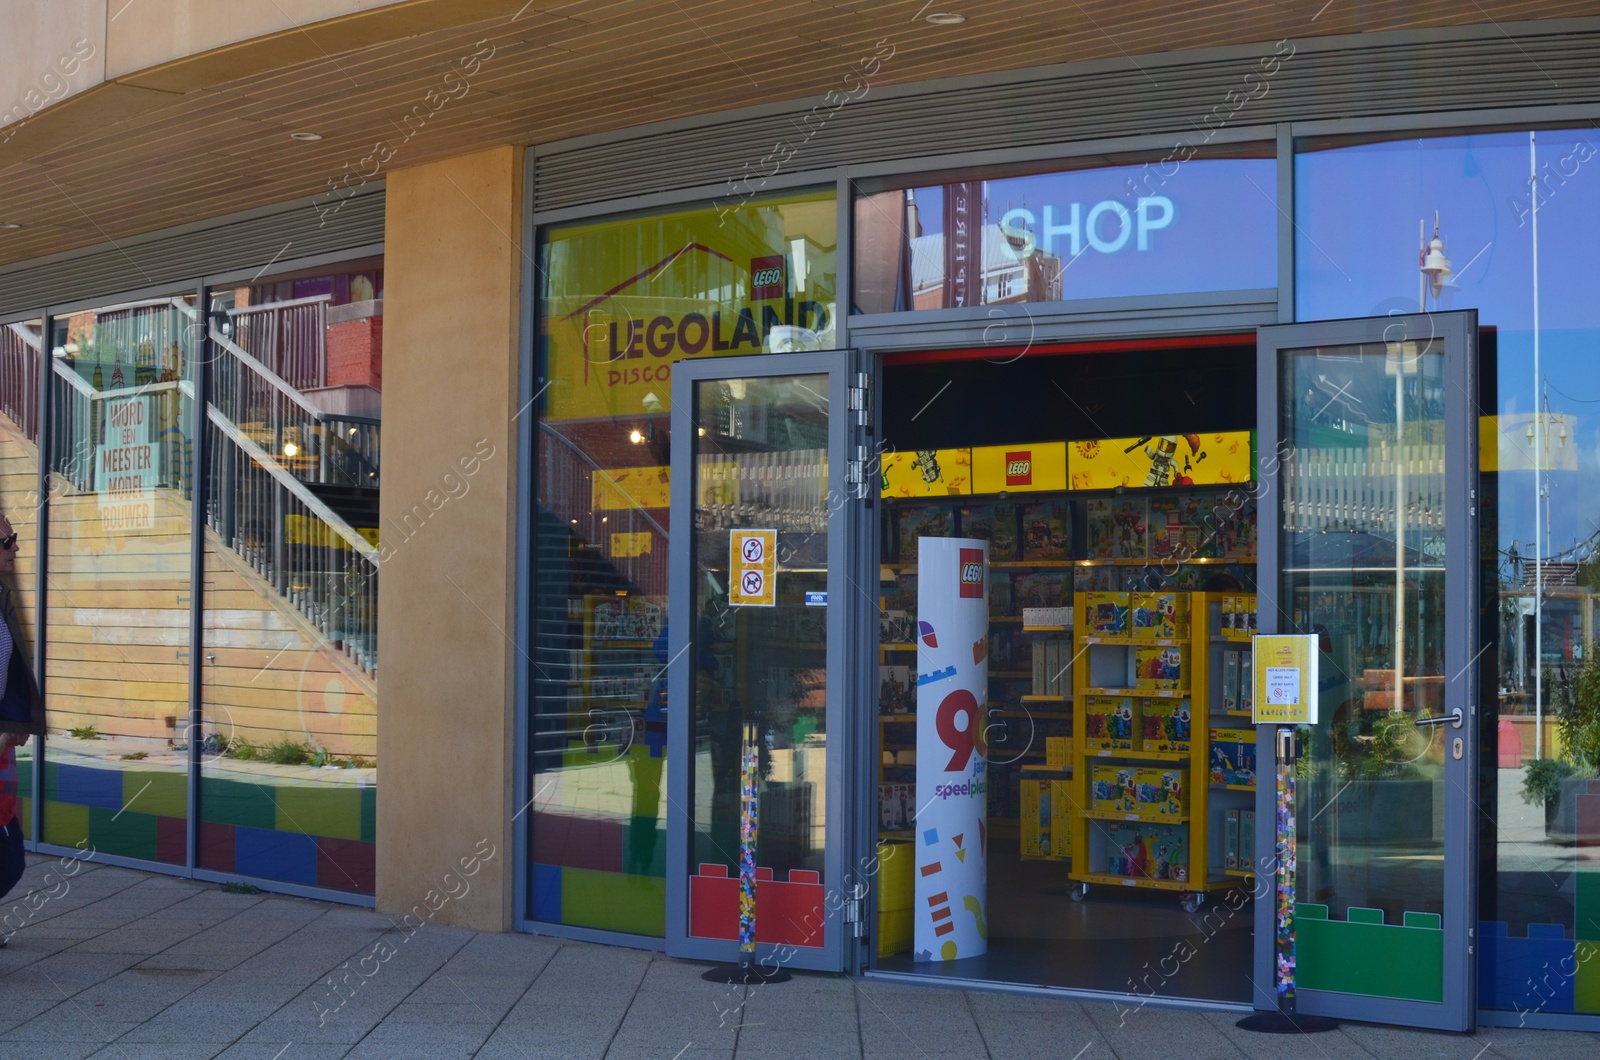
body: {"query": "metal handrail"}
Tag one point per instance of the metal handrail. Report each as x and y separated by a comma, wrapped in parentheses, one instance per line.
(267, 375)
(287, 304)
(587, 459)
(289, 482)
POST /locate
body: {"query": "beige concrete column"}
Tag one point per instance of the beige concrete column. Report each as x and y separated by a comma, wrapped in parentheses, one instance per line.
(452, 272)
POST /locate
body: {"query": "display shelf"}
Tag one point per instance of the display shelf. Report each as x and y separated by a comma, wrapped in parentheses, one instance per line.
(1031, 564)
(1036, 715)
(1242, 874)
(1138, 818)
(1145, 561)
(1062, 770)
(1010, 675)
(1235, 787)
(796, 645)
(898, 647)
(1030, 698)
(1005, 618)
(1059, 858)
(1210, 884)
(1139, 693)
(1129, 642)
(897, 717)
(1239, 713)
(1121, 755)
(1044, 629)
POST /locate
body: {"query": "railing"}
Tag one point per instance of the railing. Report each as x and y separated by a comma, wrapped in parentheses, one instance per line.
(312, 445)
(20, 348)
(315, 559)
(289, 338)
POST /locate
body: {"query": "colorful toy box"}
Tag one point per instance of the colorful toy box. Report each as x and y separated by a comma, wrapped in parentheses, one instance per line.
(1158, 616)
(1058, 752)
(1162, 792)
(1105, 614)
(1161, 669)
(1165, 725)
(1239, 616)
(1114, 788)
(1111, 721)
(1233, 757)
(1147, 851)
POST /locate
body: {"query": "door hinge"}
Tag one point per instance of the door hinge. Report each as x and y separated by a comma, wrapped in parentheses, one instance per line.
(856, 472)
(855, 918)
(861, 399)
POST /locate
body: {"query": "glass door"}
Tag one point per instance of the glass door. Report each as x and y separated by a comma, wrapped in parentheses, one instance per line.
(1369, 443)
(763, 612)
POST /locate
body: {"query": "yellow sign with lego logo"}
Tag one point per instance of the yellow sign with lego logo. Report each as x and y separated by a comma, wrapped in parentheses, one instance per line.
(1019, 468)
(1161, 460)
(1285, 679)
(626, 299)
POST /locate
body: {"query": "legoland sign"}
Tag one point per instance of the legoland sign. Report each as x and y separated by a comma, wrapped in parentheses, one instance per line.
(627, 299)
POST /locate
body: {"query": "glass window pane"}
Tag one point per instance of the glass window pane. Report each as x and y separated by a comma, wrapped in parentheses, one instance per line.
(288, 739)
(1539, 384)
(20, 357)
(624, 300)
(117, 653)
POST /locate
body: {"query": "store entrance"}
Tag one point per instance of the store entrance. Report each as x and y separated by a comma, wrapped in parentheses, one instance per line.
(1103, 839)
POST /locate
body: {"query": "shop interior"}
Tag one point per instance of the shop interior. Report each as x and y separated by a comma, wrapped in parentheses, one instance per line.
(1112, 483)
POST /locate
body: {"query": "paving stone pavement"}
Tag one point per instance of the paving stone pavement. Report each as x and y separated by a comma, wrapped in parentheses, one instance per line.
(116, 963)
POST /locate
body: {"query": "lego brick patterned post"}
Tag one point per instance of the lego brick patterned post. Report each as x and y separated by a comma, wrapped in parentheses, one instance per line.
(748, 822)
(1284, 934)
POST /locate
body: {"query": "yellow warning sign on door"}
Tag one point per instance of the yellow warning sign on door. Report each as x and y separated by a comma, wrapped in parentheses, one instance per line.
(752, 568)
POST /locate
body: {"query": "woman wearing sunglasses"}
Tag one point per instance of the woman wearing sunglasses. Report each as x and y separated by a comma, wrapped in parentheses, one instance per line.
(21, 712)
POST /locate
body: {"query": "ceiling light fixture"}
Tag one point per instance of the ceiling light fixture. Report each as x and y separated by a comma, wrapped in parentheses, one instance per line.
(307, 137)
(945, 18)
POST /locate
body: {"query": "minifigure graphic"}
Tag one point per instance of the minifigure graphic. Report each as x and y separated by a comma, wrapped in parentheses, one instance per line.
(1163, 459)
(927, 462)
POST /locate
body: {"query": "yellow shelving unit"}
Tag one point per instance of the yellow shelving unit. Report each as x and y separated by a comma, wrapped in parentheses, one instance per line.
(1090, 650)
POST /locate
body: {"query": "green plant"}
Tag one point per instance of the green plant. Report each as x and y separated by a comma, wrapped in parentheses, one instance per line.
(1541, 784)
(1578, 711)
(241, 888)
(243, 750)
(135, 756)
(84, 732)
(287, 752)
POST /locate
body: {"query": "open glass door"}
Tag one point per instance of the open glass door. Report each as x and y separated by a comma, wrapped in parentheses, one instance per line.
(1368, 468)
(764, 587)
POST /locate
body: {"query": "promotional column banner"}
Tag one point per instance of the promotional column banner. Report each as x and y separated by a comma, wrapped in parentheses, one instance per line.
(952, 830)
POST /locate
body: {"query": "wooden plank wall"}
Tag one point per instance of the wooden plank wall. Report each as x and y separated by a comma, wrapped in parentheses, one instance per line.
(118, 651)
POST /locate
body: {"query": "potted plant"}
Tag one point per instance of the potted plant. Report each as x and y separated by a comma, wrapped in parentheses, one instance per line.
(1558, 782)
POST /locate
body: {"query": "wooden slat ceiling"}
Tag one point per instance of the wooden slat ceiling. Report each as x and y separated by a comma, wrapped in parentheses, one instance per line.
(190, 140)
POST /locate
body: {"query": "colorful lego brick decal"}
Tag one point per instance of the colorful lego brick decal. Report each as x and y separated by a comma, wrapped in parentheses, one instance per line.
(316, 835)
(1363, 955)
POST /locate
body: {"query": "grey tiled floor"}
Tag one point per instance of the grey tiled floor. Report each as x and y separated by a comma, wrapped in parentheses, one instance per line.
(122, 964)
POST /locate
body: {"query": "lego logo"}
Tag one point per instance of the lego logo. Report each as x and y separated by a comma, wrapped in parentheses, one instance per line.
(972, 573)
(1019, 469)
(767, 277)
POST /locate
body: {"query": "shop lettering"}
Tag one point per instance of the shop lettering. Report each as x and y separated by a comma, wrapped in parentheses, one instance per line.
(1107, 226)
(665, 337)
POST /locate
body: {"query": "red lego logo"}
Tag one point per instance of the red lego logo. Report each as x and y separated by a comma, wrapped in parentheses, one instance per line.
(766, 277)
(972, 573)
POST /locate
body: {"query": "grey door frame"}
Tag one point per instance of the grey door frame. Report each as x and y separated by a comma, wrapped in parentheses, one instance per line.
(848, 610)
(1458, 331)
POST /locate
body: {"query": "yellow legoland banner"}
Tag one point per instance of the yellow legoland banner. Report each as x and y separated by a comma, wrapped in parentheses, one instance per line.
(1161, 460)
(1019, 468)
(630, 487)
(626, 299)
(927, 473)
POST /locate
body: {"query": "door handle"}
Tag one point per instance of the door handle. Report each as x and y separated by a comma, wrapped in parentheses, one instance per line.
(1453, 719)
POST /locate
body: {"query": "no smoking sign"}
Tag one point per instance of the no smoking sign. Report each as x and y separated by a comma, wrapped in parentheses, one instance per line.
(752, 568)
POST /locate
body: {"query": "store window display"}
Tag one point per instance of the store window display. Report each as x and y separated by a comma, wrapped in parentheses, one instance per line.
(622, 301)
